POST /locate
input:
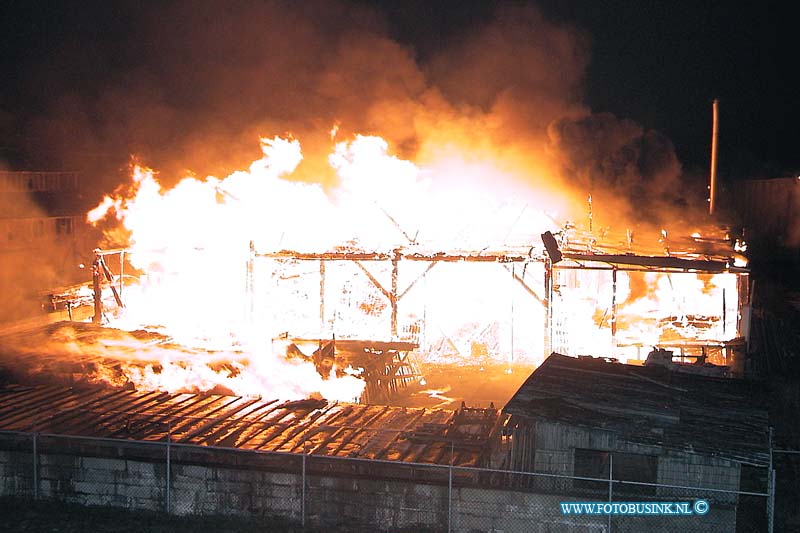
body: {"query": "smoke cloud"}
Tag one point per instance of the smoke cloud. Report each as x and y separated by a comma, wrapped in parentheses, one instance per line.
(192, 85)
(617, 159)
(32, 258)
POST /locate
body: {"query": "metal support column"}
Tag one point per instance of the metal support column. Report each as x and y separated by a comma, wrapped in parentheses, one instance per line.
(610, 484)
(303, 495)
(168, 503)
(548, 314)
(771, 502)
(35, 467)
(450, 491)
(770, 487)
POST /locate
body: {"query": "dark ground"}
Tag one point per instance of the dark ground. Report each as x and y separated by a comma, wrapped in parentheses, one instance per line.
(18, 514)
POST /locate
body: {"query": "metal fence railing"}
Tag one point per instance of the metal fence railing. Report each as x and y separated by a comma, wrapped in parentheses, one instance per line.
(322, 491)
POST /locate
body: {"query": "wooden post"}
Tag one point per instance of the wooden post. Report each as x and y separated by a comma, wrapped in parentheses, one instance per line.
(548, 314)
(614, 310)
(250, 282)
(98, 296)
(511, 288)
(393, 299)
(321, 297)
(712, 187)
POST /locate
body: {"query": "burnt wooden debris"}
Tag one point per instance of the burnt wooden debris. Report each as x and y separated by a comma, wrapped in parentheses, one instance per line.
(385, 366)
(82, 353)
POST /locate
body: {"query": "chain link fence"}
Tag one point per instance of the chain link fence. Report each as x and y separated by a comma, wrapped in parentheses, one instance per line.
(348, 494)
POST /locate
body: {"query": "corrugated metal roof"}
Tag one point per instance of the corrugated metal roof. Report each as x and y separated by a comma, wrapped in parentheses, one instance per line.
(650, 405)
(311, 426)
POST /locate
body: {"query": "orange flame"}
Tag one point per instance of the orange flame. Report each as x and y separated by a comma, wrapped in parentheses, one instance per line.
(191, 244)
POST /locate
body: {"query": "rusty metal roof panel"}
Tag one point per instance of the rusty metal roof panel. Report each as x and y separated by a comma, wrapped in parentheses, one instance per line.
(648, 405)
(307, 426)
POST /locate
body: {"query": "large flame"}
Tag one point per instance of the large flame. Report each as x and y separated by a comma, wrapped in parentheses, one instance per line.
(235, 263)
(190, 246)
(643, 309)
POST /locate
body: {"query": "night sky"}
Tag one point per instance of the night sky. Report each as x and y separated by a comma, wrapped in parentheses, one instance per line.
(662, 63)
(657, 63)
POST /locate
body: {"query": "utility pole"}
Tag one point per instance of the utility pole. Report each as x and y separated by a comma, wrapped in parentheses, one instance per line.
(712, 187)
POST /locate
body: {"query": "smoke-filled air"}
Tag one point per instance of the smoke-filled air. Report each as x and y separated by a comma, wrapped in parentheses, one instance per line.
(228, 131)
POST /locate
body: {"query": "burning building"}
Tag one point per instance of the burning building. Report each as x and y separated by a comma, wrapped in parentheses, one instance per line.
(240, 279)
(690, 295)
(339, 277)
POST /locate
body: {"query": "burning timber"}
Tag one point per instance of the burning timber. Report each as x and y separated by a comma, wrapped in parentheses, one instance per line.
(81, 353)
(386, 367)
(313, 427)
(352, 312)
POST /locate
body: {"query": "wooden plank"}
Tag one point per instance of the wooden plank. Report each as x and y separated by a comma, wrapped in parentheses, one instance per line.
(271, 427)
(148, 424)
(651, 261)
(194, 413)
(41, 396)
(83, 409)
(379, 256)
(43, 409)
(97, 427)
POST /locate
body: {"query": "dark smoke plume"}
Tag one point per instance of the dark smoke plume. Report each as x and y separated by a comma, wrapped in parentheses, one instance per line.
(617, 158)
(191, 86)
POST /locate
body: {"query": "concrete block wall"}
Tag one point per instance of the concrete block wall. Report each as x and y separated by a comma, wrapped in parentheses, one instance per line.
(376, 503)
(197, 489)
(231, 482)
(103, 481)
(16, 473)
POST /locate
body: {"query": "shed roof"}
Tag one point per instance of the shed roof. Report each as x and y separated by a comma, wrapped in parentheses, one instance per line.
(313, 426)
(721, 417)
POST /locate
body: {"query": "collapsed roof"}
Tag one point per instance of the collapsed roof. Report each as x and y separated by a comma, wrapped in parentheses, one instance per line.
(311, 426)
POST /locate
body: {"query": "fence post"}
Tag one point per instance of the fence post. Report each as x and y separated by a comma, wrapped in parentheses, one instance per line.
(303, 494)
(35, 468)
(771, 501)
(169, 438)
(770, 487)
(450, 492)
(610, 484)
